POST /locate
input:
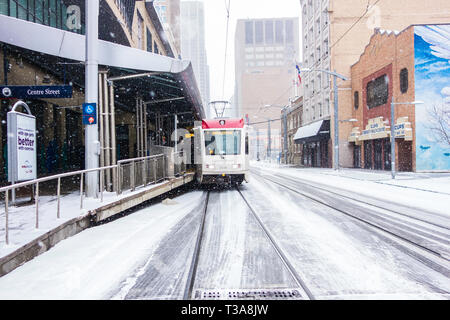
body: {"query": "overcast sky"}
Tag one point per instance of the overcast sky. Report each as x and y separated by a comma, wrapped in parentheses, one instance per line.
(215, 25)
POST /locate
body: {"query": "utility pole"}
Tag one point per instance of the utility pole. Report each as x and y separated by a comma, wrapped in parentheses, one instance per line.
(285, 135)
(269, 145)
(336, 125)
(257, 144)
(92, 145)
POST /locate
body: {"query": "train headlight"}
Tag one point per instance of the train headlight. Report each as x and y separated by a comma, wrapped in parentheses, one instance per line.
(236, 166)
(209, 166)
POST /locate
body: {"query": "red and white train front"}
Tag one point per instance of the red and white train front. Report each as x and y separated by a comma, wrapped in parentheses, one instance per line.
(222, 149)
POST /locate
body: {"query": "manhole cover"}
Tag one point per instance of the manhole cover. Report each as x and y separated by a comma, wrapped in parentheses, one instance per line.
(253, 294)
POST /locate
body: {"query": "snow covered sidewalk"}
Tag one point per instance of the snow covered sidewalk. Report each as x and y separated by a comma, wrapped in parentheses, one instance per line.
(22, 219)
(424, 191)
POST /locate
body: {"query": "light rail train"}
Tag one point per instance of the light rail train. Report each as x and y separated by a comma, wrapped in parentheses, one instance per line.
(222, 152)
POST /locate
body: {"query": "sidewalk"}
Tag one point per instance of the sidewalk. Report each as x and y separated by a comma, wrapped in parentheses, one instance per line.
(429, 191)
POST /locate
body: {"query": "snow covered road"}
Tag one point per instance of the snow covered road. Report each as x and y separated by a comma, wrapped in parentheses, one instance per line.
(148, 254)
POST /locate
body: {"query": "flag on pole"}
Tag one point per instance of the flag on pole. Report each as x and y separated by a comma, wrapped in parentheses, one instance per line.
(298, 71)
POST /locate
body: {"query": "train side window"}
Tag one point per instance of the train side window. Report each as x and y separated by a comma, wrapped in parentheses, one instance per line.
(246, 144)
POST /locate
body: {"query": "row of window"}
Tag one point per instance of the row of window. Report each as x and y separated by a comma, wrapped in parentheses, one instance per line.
(269, 63)
(377, 90)
(269, 32)
(317, 111)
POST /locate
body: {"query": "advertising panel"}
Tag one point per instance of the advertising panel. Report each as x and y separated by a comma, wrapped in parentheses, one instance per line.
(432, 86)
(21, 147)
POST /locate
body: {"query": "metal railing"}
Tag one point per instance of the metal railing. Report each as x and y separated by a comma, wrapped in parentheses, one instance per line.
(141, 171)
(131, 173)
(57, 177)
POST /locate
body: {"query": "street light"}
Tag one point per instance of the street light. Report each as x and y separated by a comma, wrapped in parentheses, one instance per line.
(349, 120)
(393, 104)
(336, 121)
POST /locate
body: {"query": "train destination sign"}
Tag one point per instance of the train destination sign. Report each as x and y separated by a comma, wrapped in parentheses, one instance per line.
(36, 92)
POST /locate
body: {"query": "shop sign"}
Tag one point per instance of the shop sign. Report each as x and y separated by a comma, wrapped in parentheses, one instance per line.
(36, 92)
(21, 145)
(354, 135)
(375, 129)
(403, 129)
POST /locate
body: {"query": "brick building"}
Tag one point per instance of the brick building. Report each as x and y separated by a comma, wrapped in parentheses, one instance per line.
(393, 67)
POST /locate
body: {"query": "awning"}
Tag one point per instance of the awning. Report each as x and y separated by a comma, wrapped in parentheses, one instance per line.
(316, 131)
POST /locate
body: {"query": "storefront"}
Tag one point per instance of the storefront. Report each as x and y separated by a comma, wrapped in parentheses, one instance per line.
(315, 144)
(372, 147)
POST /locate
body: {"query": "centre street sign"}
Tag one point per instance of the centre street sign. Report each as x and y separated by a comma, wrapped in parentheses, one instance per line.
(36, 92)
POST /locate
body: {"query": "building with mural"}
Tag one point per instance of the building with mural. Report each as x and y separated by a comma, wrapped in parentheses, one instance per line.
(403, 67)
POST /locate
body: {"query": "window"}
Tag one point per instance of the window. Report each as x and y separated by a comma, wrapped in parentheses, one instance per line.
(149, 41)
(4, 7)
(247, 149)
(356, 97)
(289, 31)
(404, 80)
(223, 142)
(249, 32)
(378, 92)
(269, 32)
(259, 32)
(140, 28)
(279, 34)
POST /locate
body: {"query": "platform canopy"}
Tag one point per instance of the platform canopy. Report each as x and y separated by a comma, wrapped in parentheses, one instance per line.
(167, 81)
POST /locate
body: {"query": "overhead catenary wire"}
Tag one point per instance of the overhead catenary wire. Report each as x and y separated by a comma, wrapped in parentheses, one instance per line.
(227, 7)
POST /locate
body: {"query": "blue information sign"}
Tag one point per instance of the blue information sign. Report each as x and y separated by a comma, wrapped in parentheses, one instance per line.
(36, 92)
(89, 113)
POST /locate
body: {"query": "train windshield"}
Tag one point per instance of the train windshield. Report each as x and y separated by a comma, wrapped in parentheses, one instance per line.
(223, 142)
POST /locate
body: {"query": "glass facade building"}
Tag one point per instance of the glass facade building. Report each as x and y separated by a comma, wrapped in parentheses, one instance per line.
(51, 13)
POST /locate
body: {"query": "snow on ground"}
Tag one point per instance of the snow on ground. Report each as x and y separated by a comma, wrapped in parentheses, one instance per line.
(337, 257)
(92, 263)
(425, 191)
(22, 220)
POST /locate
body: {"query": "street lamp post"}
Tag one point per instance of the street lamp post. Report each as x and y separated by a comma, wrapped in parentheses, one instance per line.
(393, 104)
(269, 142)
(336, 119)
(92, 145)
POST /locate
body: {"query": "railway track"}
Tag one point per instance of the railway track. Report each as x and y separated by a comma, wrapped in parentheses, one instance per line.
(426, 242)
(389, 206)
(301, 292)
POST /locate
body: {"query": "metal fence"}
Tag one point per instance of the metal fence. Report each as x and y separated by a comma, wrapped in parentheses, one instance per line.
(130, 173)
(142, 171)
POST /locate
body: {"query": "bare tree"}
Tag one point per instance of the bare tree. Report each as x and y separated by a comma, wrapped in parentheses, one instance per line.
(439, 123)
